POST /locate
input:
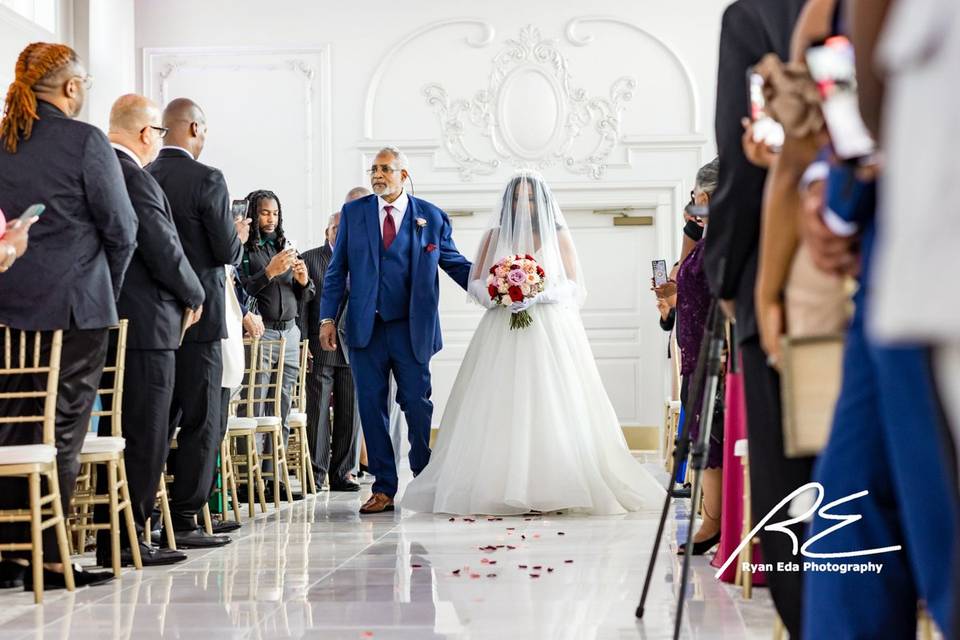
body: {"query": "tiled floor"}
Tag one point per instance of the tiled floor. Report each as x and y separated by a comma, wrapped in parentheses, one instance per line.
(317, 569)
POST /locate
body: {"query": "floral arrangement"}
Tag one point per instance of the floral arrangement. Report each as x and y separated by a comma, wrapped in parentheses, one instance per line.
(515, 279)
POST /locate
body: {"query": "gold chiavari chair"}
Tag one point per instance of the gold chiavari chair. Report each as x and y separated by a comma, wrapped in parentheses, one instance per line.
(267, 389)
(298, 449)
(27, 355)
(245, 464)
(103, 452)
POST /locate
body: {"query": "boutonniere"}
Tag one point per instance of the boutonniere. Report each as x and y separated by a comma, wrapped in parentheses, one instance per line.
(421, 223)
(430, 248)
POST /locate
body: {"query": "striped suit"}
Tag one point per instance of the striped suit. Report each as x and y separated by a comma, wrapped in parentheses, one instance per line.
(328, 379)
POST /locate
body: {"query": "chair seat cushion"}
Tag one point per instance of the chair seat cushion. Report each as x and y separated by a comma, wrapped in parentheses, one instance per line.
(241, 423)
(296, 419)
(28, 454)
(268, 421)
(97, 444)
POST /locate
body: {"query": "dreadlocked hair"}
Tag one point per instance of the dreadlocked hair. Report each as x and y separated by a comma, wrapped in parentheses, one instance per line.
(254, 198)
(37, 62)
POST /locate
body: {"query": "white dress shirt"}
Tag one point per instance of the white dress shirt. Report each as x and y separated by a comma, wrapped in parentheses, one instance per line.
(127, 151)
(399, 209)
(232, 345)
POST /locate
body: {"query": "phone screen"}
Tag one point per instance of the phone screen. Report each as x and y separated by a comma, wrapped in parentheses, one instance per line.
(33, 211)
(238, 209)
(659, 273)
(832, 67)
(765, 128)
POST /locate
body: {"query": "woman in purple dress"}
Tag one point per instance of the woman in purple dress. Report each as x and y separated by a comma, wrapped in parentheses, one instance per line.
(693, 303)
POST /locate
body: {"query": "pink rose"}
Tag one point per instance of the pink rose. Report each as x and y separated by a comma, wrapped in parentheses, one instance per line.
(517, 277)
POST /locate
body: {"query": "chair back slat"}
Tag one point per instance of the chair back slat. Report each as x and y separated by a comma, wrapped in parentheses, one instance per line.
(242, 399)
(31, 372)
(111, 383)
(300, 391)
(268, 382)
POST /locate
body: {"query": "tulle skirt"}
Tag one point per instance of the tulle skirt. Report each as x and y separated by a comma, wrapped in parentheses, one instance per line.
(529, 427)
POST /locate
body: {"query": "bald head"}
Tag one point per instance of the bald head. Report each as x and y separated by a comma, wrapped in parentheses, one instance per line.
(131, 113)
(187, 125)
(356, 193)
(135, 124)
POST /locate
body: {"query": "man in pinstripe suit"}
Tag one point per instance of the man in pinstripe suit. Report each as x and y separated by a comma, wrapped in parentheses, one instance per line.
(328, 378)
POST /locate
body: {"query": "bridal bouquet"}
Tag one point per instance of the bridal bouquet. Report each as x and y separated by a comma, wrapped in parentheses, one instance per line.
(515, 279)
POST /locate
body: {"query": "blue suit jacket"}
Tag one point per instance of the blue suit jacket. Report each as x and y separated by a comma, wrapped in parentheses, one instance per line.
(357, 254)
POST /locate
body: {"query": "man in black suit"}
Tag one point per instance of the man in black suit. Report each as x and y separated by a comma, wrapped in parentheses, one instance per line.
(200, 203)
(71, 277)
(333, 451)
(751, 29)
(160, 292)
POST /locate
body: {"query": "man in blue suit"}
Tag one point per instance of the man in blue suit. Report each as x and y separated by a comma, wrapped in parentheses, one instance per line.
(390, 245)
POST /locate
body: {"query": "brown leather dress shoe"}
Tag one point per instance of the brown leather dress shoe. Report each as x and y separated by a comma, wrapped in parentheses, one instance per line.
(378, 503)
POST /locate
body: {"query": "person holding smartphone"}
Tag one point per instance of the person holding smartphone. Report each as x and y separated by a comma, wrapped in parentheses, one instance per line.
(274, 274)
(14, 239)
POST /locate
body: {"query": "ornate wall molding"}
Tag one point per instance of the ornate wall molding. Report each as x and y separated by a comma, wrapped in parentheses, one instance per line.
(535, 64)
(575, 38)
(486, 36)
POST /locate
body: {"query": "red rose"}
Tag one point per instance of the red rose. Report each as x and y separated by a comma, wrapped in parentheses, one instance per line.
(515, 294)
(492, 290)
(529, 257)
(493, 270)
(540, 272)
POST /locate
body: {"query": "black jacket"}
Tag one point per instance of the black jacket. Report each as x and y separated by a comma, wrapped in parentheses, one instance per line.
(160, 282)
(750, 30)
(317, 260)
(279, 299)
(79, 249)
(201, 210)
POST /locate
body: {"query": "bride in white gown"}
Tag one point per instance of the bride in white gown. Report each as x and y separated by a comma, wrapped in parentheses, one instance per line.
(528, 425)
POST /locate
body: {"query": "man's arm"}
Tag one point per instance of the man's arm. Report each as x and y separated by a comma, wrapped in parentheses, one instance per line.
(451, 260)
(109, 205)
(217, 221)
(735, 205)
(159, 242)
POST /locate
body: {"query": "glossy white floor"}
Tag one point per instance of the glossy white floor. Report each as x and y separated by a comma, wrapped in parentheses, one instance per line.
(316, 569)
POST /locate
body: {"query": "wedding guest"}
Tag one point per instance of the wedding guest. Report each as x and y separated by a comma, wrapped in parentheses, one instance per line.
(13, 240)
(200, 202)
(693, 304)
(274, 274)
(750, 29)
(888, 438)
(329, 383)
(159, 290)
(71, 276)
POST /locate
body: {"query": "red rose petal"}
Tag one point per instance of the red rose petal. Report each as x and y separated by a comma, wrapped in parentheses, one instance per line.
(511, 547)
(492, 562)
(456, 572)
(561, 533)
(417, 566)
(452, 520)
(534, 575)
(549, 569)
(568, 561)
(485, 561)
(523, 536)
(522, 566)
(474, 576)
(538, 567)
(511, 528)
(491, 575)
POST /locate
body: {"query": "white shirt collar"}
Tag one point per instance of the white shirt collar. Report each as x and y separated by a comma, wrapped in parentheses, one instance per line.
(399, 206)
(133, 156)
(176, 148)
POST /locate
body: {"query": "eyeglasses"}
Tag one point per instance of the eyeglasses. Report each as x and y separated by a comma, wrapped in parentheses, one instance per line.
(86, 81)
(162, 131)
(385, 169)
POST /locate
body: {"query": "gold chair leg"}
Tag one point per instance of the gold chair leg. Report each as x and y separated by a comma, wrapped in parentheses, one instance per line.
(128, 516)
(60, 527)
(36, 537)
(224, 479)
(233, 488)
(308, 465)
(165, 513)
(114, 515)
(275, 437)
(207, 521)
(251, 481)
(285, 472)
(778, 628)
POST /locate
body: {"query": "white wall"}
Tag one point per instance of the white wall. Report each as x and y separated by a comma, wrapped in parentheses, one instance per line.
(300, 95)
(17, 31)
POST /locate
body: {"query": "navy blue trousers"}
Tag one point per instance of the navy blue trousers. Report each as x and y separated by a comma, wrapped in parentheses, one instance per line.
(888, 439)
(390, 350)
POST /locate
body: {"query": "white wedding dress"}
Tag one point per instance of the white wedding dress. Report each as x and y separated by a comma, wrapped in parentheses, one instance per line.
(529, 427)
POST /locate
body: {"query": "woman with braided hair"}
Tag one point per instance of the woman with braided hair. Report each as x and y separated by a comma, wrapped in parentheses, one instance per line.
(79, 250)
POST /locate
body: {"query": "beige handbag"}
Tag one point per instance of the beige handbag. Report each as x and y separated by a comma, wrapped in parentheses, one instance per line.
(811, 366)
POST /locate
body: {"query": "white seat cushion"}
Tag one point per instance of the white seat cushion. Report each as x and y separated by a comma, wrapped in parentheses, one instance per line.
(740, 448)
(268, 421)
(241, 423)
(296, 419)
(96, 444)
(28, 454)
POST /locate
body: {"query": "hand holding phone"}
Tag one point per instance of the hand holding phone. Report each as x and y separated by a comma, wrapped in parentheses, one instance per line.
(764, 129)
(659, 273)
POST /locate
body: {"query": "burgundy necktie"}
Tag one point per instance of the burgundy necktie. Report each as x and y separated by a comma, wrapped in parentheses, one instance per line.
(389, 228)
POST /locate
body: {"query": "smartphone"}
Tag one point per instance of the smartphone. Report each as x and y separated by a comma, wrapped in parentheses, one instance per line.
(33, 211)
(765, 129)
(238, 209)
(831, 64)
(659, 273)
